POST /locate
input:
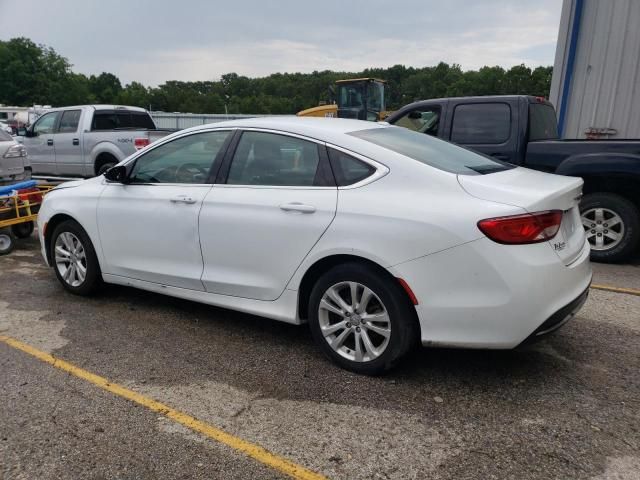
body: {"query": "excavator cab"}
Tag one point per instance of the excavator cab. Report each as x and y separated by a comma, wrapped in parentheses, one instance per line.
(360, 98)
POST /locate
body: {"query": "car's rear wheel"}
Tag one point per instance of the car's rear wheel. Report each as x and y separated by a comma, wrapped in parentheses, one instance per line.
(362, 320)
(612, 226)
(74, 259)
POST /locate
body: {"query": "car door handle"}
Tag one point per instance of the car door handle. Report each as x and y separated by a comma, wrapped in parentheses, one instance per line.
(297, 207)
(76, 141)
(183, 199)
(50, 142)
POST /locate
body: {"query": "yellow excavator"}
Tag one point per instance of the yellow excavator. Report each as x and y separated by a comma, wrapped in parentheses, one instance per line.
(358, 98)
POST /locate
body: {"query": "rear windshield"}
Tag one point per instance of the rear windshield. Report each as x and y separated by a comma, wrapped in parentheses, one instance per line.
(121, 119)
(431, 151)
(543, 124)
(4, 136)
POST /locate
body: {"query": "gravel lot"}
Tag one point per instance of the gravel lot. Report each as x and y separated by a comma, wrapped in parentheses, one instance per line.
(566, 408)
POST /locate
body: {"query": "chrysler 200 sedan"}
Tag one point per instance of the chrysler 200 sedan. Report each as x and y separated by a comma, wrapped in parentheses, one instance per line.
(376, 236)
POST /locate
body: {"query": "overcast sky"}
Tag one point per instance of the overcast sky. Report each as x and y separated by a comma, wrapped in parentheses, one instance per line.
(153, 41)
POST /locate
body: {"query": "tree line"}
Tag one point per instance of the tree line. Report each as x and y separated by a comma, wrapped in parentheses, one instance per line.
(37, 74)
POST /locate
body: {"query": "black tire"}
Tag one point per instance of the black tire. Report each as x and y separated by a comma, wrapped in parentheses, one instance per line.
(7, 241)
(630, 216)
(106, 166)
(401, 313)
(23, 230)
(93, 276)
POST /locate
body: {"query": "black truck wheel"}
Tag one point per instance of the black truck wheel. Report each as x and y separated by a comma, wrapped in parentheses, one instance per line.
(612, 225)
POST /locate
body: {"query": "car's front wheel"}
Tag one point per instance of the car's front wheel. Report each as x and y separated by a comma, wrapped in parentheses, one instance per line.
(361, 319)
(74, 259)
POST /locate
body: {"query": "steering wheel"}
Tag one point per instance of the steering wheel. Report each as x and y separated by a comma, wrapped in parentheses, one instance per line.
(191, 173)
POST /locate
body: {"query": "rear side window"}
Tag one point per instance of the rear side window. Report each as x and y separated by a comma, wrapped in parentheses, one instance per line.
(347, 169)
(543, 124)
(69, 121)
(431, 151)
(481, 123)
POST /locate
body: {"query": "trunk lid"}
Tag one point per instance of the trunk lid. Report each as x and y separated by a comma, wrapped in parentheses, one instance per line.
(536, 192)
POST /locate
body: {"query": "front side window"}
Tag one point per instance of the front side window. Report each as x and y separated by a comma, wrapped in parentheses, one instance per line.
(184, 160)
(422, 120)
(272, 159)
(69, 121)
(46, 123)
(481, 123)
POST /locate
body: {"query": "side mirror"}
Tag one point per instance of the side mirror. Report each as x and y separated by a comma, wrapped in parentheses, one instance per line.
(117, 174)
(22, 132)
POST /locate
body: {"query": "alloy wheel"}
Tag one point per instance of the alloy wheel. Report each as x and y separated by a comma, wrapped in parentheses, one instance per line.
(354, 321)
(71, 259)
(604, 228)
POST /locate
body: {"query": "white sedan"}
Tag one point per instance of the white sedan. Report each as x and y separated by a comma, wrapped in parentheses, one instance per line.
(376, 236)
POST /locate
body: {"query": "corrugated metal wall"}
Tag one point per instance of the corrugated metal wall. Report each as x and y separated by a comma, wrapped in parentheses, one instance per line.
(603, 95)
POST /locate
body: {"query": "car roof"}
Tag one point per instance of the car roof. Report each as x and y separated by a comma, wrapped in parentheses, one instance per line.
(323, 128)
(99, 107)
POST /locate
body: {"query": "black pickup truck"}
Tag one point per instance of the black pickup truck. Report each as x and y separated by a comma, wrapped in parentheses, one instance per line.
(522, 130)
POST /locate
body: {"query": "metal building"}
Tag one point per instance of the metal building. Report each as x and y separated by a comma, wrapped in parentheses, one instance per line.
(596, 74)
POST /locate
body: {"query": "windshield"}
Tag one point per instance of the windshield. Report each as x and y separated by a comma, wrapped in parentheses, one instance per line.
(542, 122)
(431, 151)
(375, 100)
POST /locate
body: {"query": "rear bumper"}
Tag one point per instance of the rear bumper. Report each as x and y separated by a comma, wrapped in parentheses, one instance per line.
(485, 295)
(558, 319)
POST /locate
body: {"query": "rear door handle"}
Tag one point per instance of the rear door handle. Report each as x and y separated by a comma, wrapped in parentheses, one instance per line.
(50, 142)
(76, 141)
(183, 199)
(297, 207)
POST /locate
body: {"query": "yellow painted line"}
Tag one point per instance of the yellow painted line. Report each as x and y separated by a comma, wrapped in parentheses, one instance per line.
(608, 288)
(250, 449)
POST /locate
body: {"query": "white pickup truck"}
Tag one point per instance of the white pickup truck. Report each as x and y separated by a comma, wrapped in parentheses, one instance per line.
(85, 141)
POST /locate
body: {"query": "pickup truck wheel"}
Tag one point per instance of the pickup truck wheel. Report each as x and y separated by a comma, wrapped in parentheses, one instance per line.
(103, 168)
(612, 225)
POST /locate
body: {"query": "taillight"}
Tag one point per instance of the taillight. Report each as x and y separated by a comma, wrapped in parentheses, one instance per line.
(140, 143)
(522, 229)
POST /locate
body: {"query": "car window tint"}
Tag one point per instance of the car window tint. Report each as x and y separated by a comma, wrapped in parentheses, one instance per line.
(142, 120)
(481, 123)
(422, 120)
(347, 169)
(543, 124)
(104, 121)
(69, 121)
(46, 123)
(431, 151)
(184, 160)
(271, 159)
